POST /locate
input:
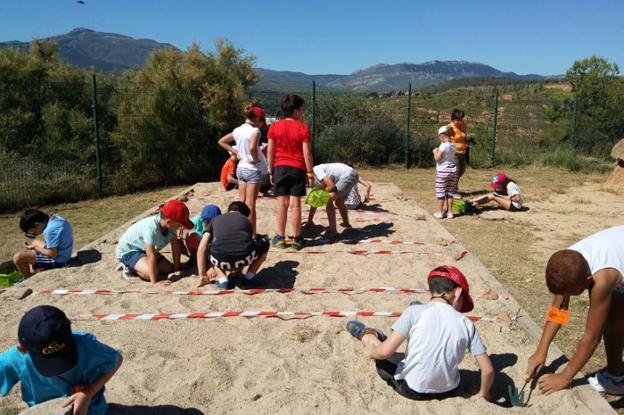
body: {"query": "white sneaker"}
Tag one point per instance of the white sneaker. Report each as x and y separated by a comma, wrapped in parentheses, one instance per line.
(449, 215)
(438, 215)
(126, 273)
(605, 382)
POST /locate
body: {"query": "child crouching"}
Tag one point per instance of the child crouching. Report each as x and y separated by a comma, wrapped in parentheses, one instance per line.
(438, 336)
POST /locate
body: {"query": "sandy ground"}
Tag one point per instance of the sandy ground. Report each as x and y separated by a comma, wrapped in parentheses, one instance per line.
(238, 365)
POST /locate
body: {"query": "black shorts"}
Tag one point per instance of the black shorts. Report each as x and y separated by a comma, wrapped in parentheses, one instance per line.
(232, 263)
(289, 181)
(386, 370)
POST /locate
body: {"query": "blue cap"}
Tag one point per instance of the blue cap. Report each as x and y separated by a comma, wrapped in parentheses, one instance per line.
(209, 212)
(46, 334)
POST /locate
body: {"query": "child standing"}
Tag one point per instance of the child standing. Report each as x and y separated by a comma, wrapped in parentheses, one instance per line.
(51, 361)
(596, 263)
(446, 173)
(460, 139)
(138, 248)
(232, 247)
(438, 336)
(290, 167)
(53, 251)
(252, 166)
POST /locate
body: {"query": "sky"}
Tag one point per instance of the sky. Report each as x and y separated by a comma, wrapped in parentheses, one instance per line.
(341, 36)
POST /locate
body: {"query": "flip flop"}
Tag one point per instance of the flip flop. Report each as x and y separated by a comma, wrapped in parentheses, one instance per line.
(358, 330)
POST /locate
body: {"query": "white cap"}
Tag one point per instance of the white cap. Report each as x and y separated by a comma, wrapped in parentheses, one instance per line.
(443, 130)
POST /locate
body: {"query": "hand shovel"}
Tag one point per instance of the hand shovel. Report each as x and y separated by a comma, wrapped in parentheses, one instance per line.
(517, 398)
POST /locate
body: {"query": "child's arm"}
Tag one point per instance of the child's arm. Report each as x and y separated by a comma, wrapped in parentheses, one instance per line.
(39, 246)
(329, 184)
(253, 146)
(307, 157)
(368, 187)
(378, 350)
(437, 154)
(152, 263)
(176, 253)
(599, 304)
(232, 179)
(202, 250)
(82, 399)
(487, 375)
(270, 156)
(538, 359)
(225, 141)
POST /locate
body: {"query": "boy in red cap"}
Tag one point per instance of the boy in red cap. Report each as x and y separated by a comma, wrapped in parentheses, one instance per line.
(438, 336)
(138, 248)
(51, 361)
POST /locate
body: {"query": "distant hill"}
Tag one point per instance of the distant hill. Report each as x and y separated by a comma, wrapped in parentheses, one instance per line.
(106, 52)
(110, 52)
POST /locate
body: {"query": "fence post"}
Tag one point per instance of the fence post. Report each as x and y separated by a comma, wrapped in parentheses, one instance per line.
(408, 116)
(574, 115)
(96, 130)
(494, 124)
(313, 117)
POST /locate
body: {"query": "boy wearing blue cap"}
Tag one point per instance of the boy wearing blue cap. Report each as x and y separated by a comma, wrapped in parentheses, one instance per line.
(191, 238)
(51, 361)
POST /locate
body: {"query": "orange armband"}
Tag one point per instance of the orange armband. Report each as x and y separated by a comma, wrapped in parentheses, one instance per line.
(559, 316)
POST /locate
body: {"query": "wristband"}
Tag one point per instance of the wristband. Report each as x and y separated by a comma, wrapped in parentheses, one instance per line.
(558, 316)
(310, 174)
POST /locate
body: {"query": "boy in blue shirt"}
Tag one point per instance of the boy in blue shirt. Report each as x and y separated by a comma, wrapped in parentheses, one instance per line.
(51, 361)
(138, 248)
(53, 251)
(190, 239)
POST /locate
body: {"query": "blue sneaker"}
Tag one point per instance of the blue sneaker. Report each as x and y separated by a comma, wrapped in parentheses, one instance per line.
(359, 329)
(279, 242)
(224, 285)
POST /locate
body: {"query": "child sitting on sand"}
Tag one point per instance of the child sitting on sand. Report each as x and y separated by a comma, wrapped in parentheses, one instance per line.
(232, 247)
(438, 336)
(51, 361)
(446, 173)
(138, 248)
(53, 251)
(596, 263)
(506, 193)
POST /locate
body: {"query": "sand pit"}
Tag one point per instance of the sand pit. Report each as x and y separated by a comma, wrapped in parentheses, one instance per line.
(287, 365)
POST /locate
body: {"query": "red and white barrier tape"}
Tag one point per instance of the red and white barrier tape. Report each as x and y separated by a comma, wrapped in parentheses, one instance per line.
(363, 252)
(252, 291)
(256, 313)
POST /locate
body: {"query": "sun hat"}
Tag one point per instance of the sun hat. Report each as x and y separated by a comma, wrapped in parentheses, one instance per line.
(209, 212)
(317, 197)
(46, 334)
(498, 179)
(451, 273)
(445, 129)
(177, 211)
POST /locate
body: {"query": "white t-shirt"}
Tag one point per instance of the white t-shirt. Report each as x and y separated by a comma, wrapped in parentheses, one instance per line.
(332, 170)
(447, 161)
(513, 189)
(438, 336)
(242, 136)
(604, 249)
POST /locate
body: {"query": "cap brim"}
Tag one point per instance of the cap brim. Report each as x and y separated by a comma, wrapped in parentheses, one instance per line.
(493, 185)
(188, 224)
(55, 366)
(467, 305)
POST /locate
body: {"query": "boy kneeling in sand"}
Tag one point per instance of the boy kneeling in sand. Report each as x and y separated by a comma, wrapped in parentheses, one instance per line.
(232, 246)
(438, 336)
(138, 248)
(51, 361)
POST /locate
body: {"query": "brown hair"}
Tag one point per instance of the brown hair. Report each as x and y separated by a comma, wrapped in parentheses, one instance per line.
(567, 272)
(247, 110)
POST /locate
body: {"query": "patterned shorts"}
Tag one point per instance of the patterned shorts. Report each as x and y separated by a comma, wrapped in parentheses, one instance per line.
(445, 183)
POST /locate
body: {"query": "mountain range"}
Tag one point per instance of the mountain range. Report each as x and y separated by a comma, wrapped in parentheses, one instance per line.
(110, 52)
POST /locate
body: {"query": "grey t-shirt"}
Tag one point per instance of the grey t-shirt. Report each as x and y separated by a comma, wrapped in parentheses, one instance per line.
(438, 337)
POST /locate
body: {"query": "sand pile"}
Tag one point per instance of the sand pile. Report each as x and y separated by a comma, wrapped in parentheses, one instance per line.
(297, 366)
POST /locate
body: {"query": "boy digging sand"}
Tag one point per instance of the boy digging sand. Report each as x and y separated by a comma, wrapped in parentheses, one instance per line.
(597, 264)
(53, 251)
(51, 361)
(438, 336)
(138, 248)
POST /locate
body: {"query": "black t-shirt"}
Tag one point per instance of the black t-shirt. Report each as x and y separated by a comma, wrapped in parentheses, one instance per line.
(230, 235)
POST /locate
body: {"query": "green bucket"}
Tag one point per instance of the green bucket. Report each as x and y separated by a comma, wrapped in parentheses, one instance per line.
(6, 280)
(317, 197)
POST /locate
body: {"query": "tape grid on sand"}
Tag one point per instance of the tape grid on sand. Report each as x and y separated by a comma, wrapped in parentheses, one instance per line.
(256, 313)
(252, 291)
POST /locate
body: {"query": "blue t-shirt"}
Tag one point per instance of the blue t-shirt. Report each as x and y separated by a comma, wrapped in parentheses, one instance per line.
(58, 234)
(144, 231)
(94, 359)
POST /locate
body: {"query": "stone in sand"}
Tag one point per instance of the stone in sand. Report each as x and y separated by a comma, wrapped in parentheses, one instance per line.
(51, 407)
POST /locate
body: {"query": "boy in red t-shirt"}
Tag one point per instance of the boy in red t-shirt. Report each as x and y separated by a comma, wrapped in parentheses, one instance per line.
(290, 167)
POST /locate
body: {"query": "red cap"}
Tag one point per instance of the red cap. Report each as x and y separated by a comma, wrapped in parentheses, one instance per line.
(258, 113)
(451, 273)
(498, 179)
(177, 211)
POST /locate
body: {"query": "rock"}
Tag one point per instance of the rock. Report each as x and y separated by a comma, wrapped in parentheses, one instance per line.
(489, 294)
(21, 293)
(443, 242)
(492, 215)
(618, 150)
(51, 407)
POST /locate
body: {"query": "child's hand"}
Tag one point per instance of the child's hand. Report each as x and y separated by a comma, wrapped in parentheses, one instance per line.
(535, 364)
(481, 396)
(80, 402)
(203, 280)
(163, 282)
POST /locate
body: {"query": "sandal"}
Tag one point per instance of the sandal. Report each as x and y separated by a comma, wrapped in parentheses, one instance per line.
(359, 329)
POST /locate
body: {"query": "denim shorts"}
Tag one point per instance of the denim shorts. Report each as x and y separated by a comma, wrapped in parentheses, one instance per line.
(346, 183)
(246, 175)
(132, 258)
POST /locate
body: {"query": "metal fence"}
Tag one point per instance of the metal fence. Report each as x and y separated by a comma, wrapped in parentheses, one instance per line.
(506, 125)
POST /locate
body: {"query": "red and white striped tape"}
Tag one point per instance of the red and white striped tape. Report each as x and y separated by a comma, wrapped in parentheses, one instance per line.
(260, 313)
(382, 241)
(363, 252)
(252, 291)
